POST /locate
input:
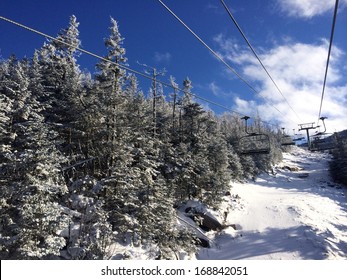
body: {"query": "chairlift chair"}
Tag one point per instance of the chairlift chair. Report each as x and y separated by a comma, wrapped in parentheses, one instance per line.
(299, 138)
(286, 140)
(254, 143)
(323, 141)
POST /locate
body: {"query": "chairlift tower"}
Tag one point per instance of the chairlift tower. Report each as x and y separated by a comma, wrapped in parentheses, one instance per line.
(307, 127)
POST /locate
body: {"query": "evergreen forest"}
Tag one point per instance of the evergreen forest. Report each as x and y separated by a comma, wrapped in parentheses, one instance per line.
(93, 153)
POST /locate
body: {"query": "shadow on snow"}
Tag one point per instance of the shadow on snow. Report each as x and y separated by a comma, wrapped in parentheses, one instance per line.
(301, 242)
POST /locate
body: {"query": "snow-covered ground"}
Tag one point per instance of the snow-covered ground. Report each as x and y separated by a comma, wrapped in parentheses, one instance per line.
(295, 213)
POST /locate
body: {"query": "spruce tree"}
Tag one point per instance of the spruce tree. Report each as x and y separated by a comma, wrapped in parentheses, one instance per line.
(33, 213)
(111, 101)
(7, 159)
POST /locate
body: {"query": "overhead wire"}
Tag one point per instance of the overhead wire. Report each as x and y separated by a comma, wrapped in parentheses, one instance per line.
(123, 66)
(208, 47)
(126, 68)
(76, 47)
(328, 59)
(218, 56)
(256, 55)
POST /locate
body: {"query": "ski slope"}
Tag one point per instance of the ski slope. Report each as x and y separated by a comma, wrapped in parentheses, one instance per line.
(295, 213)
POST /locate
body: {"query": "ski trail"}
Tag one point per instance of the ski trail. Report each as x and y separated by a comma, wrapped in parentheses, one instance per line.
(298, 213)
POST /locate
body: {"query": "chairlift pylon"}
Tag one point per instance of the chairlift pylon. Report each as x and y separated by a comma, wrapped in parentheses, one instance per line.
(254, 143)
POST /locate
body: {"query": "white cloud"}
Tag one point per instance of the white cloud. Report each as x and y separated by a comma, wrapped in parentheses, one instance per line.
(216, 90)
(162, 57)
(298, 70)
(246, 107)
(307, 8)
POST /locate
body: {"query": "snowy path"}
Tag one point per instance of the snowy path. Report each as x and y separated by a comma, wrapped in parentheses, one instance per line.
(297, 214)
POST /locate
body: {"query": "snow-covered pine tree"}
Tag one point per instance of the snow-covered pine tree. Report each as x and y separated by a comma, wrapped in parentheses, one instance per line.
(218, 177)
(110, 131)
(67, 41)
(153, 208)
(60, 78)
(6, 109)
(231, 130)
(234, 163)
(150, 201)
(192, 162)
(39, 194)
(187, 88)
(7, 165)
(89, 233)
(33, 214)
(109, 85)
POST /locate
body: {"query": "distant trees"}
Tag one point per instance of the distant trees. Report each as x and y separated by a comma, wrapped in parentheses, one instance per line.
(86, 161)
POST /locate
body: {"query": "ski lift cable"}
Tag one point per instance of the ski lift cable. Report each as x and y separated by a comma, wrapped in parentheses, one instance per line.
(256, 55)
(208, 47)
(218, 56)
(77, 48)
(328, 58)
(110, 61)
(124, 67)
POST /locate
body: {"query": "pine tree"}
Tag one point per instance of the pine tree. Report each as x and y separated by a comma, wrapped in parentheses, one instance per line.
(109, 88)
(67, 41)
(90, 232)
(32, 209)
(59, 73)
(193, 125)
(109, 131)
(7, 156)
(39, 195)
(219, 172)
(6, 109)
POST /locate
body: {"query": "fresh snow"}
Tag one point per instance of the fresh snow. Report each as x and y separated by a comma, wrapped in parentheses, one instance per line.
(295, 213)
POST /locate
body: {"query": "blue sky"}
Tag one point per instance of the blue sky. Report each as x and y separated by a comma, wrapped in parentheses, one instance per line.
(291, 38)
